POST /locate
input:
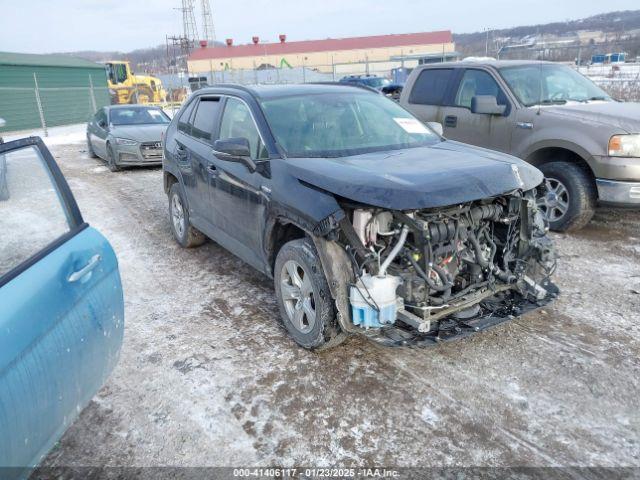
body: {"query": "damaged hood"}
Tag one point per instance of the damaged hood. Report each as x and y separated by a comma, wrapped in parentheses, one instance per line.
(625, 116)
(443, 174)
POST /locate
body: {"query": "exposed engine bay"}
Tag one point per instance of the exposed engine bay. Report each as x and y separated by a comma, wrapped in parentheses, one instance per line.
(432, 274)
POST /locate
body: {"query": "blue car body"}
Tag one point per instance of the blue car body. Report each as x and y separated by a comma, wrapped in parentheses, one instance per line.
(61, 329)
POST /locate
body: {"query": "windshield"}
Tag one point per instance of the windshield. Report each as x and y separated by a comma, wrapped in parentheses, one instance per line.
(375, 82)
(342, 124)
(138, 116)
(550, 84)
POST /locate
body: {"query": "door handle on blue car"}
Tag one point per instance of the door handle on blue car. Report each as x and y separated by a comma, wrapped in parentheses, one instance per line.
(79, 274)
(213, 170)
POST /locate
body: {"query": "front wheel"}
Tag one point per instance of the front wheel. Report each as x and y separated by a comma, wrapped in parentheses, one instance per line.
(304, 299)
(570, 200)
(111, 159)
(186, 235)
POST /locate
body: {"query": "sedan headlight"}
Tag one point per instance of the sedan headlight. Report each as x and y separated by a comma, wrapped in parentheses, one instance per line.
(625, 145)
(125, 141)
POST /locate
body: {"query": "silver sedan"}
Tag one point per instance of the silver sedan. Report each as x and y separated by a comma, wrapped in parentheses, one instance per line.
(127, 135)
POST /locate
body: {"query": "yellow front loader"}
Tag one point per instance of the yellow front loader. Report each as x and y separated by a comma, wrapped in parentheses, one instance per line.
(126, 87)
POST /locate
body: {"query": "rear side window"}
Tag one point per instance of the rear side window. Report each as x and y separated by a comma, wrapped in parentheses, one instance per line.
(431, 86)
(183, 122)
(32, 214)
(205, 118)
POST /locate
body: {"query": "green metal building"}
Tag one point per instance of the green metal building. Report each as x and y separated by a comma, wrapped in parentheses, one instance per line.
(40, 91)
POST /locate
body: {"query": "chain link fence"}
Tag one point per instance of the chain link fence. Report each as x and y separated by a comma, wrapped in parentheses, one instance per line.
(268, 74)
(621, 81)
(43, 107)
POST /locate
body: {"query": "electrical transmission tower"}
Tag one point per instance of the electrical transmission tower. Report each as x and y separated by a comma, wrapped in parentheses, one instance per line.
(189, 21)
(209, 33)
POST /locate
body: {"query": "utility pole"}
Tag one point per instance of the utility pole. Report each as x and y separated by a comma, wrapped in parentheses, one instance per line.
(209, 32)
(486, 46)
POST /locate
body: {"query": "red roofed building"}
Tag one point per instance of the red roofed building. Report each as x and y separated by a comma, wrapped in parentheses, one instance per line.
(322, 55)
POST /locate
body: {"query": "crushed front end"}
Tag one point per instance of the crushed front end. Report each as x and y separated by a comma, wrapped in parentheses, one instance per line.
(423, 276)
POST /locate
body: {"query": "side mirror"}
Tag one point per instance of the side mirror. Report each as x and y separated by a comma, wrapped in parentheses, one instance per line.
(235, 150)
(436, 127)
(102, 124)
(487, 104)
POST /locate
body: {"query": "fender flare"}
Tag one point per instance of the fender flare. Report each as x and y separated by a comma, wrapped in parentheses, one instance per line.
(563, 144)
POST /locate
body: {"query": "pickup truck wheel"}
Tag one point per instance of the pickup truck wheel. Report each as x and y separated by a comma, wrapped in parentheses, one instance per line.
(570, 201)
(304, 299)
(90, 151)
(186, 235)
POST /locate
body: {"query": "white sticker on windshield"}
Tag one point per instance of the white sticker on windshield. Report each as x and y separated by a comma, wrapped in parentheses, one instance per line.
(411, 125)
(155, 113)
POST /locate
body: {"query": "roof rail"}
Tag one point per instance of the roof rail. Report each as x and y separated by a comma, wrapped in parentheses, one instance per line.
(345, 84)
(237, 86)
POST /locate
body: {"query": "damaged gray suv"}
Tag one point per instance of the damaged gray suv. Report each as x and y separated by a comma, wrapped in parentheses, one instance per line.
(368, 220)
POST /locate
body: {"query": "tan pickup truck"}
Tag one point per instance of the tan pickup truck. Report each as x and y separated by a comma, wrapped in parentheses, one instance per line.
(586, 143)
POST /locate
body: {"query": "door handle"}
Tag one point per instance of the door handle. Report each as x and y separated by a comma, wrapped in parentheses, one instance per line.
(181, 152)
(450, 121)
(213, 170)
(77, 275)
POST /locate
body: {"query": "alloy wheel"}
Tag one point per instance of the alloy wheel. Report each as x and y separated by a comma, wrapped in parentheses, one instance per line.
(177, 215)
(555, 203)
(298, 297)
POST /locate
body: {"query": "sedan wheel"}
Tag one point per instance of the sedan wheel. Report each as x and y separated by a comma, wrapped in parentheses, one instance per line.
(555, 203)
(111, 159)
(297, 296)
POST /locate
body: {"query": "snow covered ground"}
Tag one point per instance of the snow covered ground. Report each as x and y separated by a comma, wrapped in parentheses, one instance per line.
(621, 81)
(63, 135)
(208, 377)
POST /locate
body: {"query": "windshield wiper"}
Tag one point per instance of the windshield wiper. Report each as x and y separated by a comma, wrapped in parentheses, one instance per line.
(549, 102)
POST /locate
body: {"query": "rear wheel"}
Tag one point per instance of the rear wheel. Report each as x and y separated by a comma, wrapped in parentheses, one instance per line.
(570, 200)
(306, 307)
(90, 150)
(186, 235)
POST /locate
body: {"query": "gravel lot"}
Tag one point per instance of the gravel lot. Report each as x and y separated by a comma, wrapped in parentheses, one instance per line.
(207, 377)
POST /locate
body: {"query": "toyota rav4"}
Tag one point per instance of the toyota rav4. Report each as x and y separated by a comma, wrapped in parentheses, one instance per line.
(367, 219)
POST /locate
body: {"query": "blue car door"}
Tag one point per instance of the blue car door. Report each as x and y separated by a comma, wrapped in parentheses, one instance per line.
(61, 307)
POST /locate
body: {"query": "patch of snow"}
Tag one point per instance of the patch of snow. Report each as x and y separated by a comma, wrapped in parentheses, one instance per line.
(429, 416)
(64, 135)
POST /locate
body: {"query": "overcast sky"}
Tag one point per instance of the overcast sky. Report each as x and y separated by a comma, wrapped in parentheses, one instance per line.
(40, 26)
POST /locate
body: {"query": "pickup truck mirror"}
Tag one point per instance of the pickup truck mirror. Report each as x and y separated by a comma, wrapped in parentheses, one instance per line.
(235, 150)
(436, 127)
(102, 123)
(487, 104)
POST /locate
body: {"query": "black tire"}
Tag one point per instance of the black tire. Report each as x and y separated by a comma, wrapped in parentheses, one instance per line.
(90, 151)
(111, 159)
(187, 236)
(581, 193)
(324, 329)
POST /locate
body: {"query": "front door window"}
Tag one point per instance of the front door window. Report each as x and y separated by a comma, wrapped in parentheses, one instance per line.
(237, 122)
(31, 213)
